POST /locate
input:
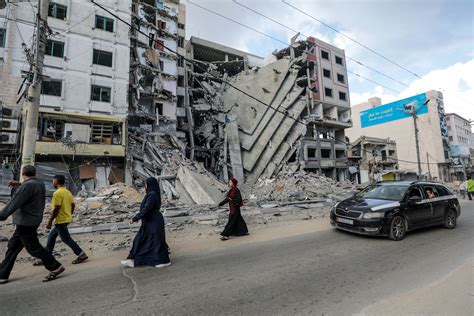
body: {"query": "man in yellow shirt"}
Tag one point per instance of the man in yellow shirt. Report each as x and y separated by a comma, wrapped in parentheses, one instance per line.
(63, 208)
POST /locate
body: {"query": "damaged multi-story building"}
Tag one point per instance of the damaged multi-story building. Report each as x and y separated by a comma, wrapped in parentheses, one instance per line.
(372, 157)
(102, 81)
(83, 103)
(157, 73)
(156, 95)
(252, 116)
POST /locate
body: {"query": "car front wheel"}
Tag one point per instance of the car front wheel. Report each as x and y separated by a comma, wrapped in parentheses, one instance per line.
(450, 219)
(398, 228)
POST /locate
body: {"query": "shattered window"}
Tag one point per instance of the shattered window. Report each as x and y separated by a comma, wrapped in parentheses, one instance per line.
(55, 48)
(51, 87)
(101, 94)
(3, 35)
(324, 55)
(342, 96)
(339, 60)
(57, 11)
(103, 58)
(340, 78)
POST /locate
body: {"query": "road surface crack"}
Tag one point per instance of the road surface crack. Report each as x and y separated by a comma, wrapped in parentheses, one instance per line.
(135, 287)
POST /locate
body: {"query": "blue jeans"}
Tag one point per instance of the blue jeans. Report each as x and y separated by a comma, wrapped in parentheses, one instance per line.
(62, 231)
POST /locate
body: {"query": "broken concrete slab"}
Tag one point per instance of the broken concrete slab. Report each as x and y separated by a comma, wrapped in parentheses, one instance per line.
(250, 112)
(203, 188)
(235, 154)
(278, 137)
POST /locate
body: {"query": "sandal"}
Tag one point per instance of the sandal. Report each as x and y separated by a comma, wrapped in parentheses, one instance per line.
(53, 274)
(223, 238)
(3, 281)
(80, 259)
(38, 263)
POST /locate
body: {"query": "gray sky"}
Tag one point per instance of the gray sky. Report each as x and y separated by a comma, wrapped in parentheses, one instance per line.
(434, 39)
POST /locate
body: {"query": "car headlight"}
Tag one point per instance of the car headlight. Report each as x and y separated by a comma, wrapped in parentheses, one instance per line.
(373, 215)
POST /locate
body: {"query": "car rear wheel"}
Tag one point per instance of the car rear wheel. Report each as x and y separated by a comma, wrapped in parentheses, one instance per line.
(450, 219)
(398, 228)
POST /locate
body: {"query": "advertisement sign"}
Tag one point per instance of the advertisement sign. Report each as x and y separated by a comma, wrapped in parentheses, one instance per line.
(392, 111)
(459, 151)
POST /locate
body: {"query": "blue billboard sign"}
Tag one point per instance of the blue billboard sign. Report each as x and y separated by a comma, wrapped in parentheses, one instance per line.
(392, 111)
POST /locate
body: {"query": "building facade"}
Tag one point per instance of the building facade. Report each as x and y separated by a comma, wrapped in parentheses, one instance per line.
(372, 159)
(391, 121)
(323, 147)
(461, 141)
(83, 103)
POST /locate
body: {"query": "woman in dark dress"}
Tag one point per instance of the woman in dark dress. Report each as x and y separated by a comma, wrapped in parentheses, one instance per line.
(149, 246)
(236, 225)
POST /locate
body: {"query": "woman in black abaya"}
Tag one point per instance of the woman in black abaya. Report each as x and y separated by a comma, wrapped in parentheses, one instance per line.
(149, 246)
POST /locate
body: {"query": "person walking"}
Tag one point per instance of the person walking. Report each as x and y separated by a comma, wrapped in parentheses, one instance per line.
(149, 246)
(63, 208)
(27, 208)
(470, 187)
(462, 189)
(236, 225)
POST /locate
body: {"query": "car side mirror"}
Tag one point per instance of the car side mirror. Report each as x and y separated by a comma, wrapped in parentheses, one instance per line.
(414, 199)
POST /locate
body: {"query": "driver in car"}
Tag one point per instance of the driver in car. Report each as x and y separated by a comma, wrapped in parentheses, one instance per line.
(429, 193)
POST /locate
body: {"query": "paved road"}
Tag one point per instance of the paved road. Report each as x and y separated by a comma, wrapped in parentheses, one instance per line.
(326, 272)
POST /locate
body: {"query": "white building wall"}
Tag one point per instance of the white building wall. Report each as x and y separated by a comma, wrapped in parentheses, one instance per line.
(76, 70)
(403, 133)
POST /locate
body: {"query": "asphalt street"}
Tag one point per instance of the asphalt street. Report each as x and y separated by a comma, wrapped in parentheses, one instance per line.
(327, 272)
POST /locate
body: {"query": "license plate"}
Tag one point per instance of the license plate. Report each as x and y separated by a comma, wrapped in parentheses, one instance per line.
(344, 220)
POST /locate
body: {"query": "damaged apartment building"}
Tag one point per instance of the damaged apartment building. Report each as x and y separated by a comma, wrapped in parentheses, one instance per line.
(83, 103)
(103, 85)
(156, 95)
(252, 116)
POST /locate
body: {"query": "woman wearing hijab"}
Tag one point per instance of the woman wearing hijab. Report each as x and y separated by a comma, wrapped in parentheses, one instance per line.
(236, 225)
(149, 246)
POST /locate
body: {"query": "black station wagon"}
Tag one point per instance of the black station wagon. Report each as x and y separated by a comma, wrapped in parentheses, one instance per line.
(394, 208)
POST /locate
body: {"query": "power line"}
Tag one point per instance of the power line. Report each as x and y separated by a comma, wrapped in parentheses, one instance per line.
(285, 113)
(352, 39)
(298, 32)
(274, 38)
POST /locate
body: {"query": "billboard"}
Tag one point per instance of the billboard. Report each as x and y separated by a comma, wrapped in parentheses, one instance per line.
(392, 111)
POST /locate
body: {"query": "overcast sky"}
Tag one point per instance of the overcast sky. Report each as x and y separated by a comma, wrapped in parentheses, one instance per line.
(431, 38)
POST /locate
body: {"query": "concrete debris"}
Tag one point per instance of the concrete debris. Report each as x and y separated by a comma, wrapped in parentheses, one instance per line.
(299, 186)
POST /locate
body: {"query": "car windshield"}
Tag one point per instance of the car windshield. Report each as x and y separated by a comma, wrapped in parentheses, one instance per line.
(383, 192)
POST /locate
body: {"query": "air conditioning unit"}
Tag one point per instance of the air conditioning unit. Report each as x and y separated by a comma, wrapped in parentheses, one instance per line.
(78, 132)
(8, 138)
(9, 124)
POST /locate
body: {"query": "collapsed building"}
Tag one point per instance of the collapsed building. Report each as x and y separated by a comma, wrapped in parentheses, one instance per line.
(150, 112)
(156, 93)
(251, 117)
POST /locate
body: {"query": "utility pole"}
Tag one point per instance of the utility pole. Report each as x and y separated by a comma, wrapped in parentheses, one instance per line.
(411, 109)
(34, 90)
(428, 162)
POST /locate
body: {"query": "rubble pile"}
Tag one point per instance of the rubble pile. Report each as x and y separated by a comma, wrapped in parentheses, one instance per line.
(116, 203)
(299, 186)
